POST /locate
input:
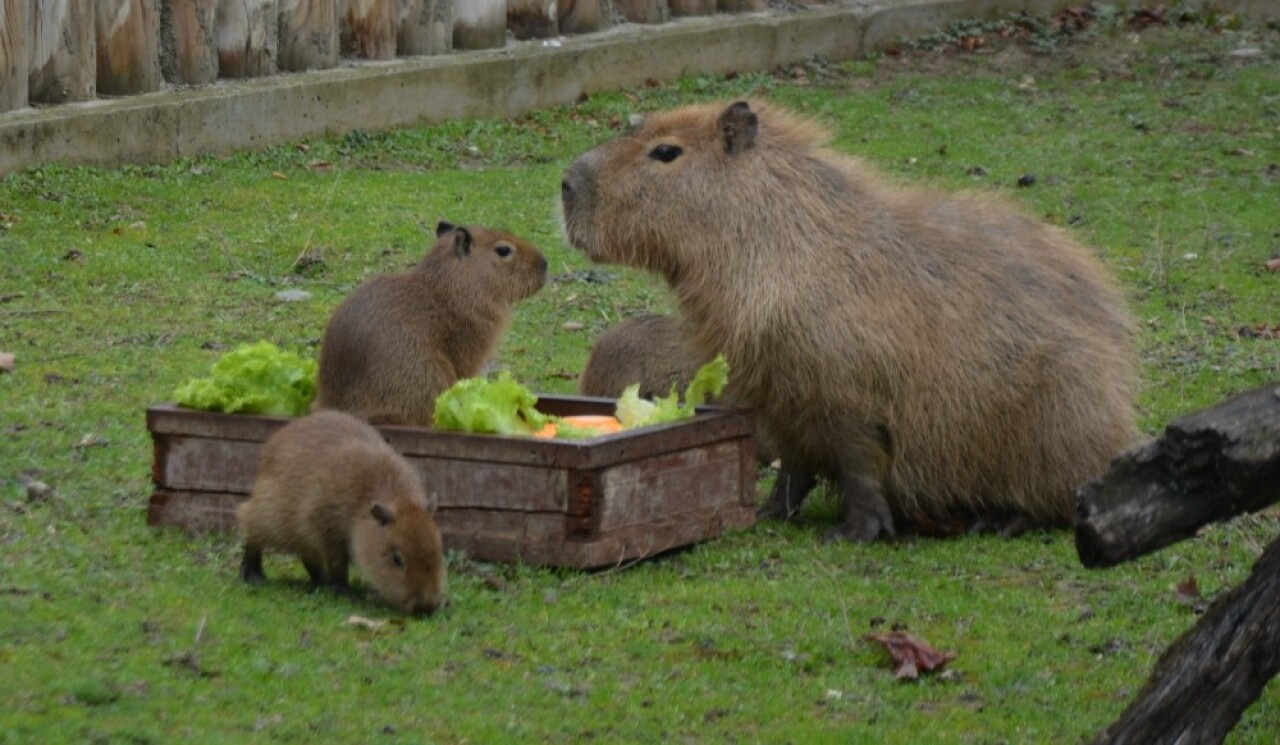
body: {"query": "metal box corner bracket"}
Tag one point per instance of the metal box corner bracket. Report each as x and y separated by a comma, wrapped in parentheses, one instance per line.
(585, 503)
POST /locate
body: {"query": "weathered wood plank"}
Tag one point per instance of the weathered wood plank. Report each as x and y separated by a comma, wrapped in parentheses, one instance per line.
(308, 35)
(13, 54)
(128, 46)
(248, 34)
(63, 51)
(532, 19)
(368, 29)
(188, 41)
(1206, 679)
(424, 27)
(479, 24)
(640, 492)
(584, 16)
(742, 6)
(1209, 465)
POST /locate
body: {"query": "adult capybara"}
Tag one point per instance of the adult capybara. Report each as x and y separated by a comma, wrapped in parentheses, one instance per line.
(330, 490)
(655, 351)
(398, 340)
(937, 355)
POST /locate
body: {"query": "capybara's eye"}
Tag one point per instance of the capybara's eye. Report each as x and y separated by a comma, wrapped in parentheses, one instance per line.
(666, 153)
(397, 559)
(503, 251)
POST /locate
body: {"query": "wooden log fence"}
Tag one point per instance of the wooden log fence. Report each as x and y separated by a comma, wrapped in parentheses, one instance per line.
(61, 51)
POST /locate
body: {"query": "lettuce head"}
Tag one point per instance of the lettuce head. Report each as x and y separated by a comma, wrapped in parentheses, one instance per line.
(253, 379)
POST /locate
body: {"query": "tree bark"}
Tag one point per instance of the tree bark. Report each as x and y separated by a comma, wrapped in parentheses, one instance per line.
(1209, 465)
(742, 6)
(642, 11)
(188, 46)
(692, 7)
(63, 51)
(1207, 678)
(248, 38)
(369, 28)
(532, 19)
(13, 54)
(128, 46)
(308, 35)
(424, 27)
(584, 16)
(479, 24)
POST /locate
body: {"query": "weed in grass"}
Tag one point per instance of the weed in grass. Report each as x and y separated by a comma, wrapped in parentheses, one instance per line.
(1152, 143)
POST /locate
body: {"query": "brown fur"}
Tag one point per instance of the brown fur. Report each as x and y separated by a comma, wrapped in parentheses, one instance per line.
(655, 351)
(330, 490)
(935, 354)
(398, 340)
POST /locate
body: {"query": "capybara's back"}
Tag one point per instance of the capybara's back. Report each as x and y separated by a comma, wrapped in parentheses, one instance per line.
(399, 340)
(653, 350)
(938, 355)
(330, 491)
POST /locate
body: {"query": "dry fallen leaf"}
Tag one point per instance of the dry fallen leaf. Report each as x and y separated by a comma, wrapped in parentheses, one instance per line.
(1272, 265)
(911, 656)
(1260, 331)
(370, 624)
(6, 362)
(573, 326)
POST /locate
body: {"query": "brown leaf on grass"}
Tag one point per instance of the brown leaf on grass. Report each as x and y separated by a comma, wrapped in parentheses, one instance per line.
(7, 361)
(1272, 265)
(1259, 331)
(1189, 590)
(911, 656)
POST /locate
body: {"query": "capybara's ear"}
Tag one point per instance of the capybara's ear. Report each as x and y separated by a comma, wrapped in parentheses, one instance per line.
(443, 227)
(738, 125)
(461, 241)
(383, 515)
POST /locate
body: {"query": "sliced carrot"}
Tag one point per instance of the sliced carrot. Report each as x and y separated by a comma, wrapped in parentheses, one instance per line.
(600, 422)
(548, 430)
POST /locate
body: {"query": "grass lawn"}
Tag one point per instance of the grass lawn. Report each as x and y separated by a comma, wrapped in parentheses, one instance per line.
(1158, 145)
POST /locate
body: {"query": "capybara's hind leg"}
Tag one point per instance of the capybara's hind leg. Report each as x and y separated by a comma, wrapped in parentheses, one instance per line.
(865, 514)
(251, 566)
(1008, 524)
(319, 578)
(789, 490)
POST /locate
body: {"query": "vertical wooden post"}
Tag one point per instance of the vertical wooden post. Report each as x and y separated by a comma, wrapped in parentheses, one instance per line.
(369, 28)
(584, 16)
(742, 6)
(532, 19)
(692, 7)
(248, 36)
(424, 27)
(479, 24)
(188, 48)
(13, 54)
(63, 57)
(308, 34)
(642, 11)
(128, 46)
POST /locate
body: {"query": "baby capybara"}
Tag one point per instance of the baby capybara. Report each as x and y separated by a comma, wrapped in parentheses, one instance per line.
(936, 355)
(655, 351)
(399, 340)
(330, 490)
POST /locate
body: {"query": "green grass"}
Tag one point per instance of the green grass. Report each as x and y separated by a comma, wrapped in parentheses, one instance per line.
(118, 284)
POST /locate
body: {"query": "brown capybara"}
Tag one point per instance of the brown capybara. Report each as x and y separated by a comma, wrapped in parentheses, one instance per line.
(936, 355)
(330, 491)
(399, 340)
(655, 351)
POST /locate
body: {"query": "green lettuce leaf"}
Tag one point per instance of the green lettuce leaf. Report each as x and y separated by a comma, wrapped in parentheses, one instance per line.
(253, 379)
(709, 381)
(499, 406)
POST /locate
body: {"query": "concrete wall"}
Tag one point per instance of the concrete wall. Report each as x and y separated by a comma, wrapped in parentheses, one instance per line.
(228, 116)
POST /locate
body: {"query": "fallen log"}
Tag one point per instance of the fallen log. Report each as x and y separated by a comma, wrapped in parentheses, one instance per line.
(1207, 466)
(1207, 679)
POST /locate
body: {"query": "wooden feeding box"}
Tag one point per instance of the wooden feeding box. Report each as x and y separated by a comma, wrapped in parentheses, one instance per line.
(584, 503)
